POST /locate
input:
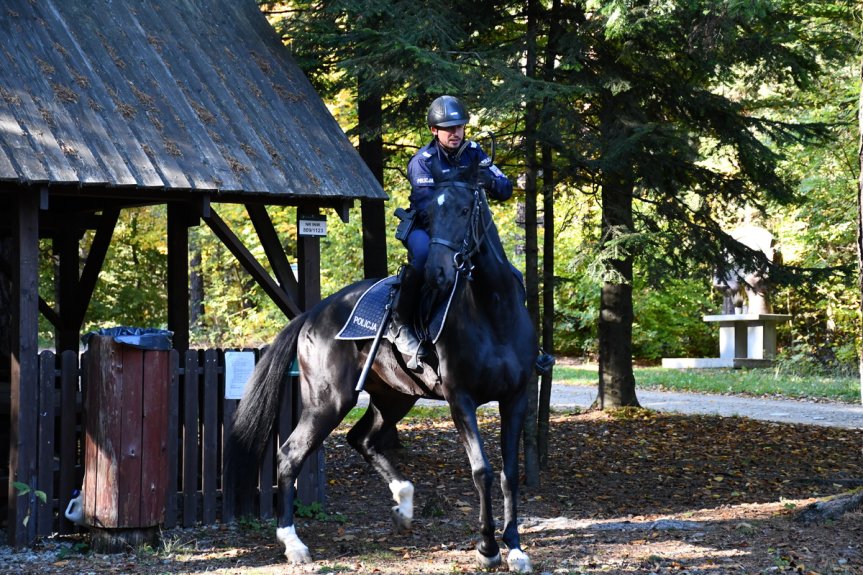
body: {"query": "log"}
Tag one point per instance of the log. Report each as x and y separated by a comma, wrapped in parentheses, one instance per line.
(830, 509)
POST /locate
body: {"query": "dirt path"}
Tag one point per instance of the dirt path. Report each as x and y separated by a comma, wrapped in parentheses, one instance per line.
(638, 492)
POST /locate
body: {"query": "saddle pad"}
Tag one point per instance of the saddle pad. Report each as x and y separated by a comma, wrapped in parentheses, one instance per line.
(370, 309)
(368, 313)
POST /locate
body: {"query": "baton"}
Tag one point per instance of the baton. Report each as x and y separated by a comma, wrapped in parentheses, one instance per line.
(361, 383)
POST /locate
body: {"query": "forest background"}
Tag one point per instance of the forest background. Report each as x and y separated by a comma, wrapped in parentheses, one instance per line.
(636, 132)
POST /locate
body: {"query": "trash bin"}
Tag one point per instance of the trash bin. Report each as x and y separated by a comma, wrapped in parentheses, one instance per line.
(126, 443)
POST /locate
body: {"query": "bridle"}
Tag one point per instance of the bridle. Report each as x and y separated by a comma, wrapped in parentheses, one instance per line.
(474, 235)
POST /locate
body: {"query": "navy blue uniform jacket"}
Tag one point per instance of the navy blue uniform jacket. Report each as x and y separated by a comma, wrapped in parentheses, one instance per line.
(420, 172)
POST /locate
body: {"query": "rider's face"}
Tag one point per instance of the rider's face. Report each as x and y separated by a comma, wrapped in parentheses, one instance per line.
(450, 138)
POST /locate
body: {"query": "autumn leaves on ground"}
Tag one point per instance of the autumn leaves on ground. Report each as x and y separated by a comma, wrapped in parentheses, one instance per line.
(628, 492)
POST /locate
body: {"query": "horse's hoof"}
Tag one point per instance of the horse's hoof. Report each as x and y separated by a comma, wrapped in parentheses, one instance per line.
(403, 513)
(488, 562)
(298, 556)
(401, 523)
(518, 561)
(295, 550)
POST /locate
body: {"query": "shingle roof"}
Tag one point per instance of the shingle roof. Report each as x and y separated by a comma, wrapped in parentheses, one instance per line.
(170, 95)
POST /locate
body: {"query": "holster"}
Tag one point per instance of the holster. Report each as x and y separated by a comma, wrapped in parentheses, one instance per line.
(406, 223)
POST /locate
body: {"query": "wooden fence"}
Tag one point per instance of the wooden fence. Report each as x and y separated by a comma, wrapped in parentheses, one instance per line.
(199, 418)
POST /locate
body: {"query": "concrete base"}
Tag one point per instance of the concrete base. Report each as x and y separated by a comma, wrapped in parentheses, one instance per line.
(713, 362)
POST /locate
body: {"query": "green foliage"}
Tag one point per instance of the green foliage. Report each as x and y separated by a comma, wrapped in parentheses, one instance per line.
(68, 551)
(778, 382)
(668, 320)
(23, 490)
(315, 510)
(131, 287)
(702, 106)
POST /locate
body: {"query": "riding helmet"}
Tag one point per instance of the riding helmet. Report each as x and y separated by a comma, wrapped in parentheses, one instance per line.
(447, 111)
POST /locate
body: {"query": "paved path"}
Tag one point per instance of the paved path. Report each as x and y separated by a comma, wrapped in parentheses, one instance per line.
(779, 410)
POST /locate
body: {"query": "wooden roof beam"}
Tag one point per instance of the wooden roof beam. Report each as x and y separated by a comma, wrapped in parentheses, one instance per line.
(288, 306)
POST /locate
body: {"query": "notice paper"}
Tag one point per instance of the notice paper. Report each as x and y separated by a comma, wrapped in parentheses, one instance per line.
(238, 369)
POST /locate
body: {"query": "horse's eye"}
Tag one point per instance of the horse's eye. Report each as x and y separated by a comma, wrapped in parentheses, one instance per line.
(464, 211)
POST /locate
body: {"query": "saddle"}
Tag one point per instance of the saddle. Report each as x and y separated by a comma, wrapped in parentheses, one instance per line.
(370, 310)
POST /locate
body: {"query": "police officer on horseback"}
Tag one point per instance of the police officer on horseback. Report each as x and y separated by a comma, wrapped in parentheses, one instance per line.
(448, 150)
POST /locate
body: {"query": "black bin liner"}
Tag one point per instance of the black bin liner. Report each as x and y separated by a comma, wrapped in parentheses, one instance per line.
(139, 337)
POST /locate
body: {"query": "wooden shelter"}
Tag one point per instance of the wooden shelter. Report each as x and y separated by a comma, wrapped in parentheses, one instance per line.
(111, 104)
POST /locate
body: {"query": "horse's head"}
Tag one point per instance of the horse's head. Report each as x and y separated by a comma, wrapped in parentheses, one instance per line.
(458, 217)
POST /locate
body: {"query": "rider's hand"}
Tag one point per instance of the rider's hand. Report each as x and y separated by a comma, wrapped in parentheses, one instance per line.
(485, 179)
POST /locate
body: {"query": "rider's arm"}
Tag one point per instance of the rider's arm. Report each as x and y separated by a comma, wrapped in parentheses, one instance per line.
(496, 184)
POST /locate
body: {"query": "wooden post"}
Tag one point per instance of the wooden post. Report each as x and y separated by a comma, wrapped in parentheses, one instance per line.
(178, 275)
(126, 463)
(310, 484)
(24, 372)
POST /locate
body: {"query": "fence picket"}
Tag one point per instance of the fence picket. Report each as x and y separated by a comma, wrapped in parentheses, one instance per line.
(45, 447)
(199, 417)
(209, 435)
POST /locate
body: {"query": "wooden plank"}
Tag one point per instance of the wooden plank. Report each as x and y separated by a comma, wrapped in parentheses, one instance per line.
(173, 442)
(95, 259)
(107, 387)
(210, 435)
(33, 100)
(91, 420)
(49, 75)
(190, 439)
(229, 410)
(91, 59)
(65, 246)
(24, 369)
(154, 440)
(319, 150)
(45, 450)
(7, 169)
(129, 452)
(274, 250)
(68, 437)
(237, 101)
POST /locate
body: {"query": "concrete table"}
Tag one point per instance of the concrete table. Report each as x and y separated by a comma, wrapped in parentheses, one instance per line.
(745, 340)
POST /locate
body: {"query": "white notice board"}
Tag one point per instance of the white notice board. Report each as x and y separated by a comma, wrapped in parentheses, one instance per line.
(238, 369)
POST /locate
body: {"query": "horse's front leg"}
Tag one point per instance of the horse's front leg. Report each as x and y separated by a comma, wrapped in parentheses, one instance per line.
(464, 415)
(384, 411)
(512, 414)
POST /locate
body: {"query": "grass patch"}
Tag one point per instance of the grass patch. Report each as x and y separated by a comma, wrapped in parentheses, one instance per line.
(754, 382)
(418, 412)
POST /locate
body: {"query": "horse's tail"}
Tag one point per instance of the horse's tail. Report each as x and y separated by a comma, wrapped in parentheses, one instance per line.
(257, 411)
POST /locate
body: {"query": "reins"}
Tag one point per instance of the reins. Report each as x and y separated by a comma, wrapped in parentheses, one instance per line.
(474, 234)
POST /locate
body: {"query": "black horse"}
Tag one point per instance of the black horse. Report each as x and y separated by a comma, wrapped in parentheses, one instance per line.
(485, 352)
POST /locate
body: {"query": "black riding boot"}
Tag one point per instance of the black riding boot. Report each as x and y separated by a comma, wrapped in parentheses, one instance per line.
(401, 332)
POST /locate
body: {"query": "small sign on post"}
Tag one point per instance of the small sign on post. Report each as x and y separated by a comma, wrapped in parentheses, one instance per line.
(312, 225)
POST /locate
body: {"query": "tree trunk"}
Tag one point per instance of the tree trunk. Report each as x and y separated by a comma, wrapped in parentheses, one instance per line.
(370, 117)
(860, 222)
(616, 378)
(531, 455)
(548, 184)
